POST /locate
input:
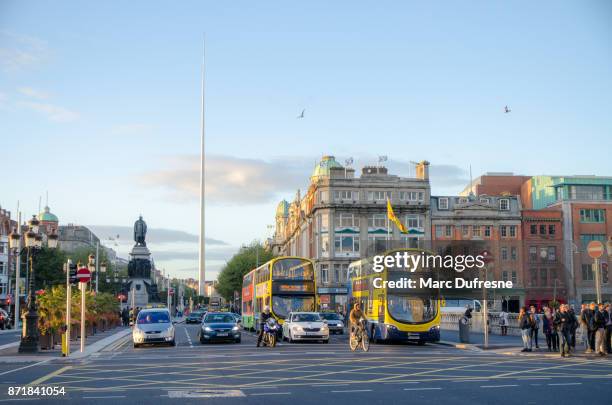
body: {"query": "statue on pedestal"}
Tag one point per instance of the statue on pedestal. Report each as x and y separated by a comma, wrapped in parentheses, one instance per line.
(140, 232)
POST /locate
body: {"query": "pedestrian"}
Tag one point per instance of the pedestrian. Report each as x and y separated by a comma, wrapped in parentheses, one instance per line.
(583, 327)
(525, 326)
(564, 323)
(575, 325)
(600, 330)
(503, 322)
(555, 330)
(589, 320)
(608, 335)
(548, 327)
(535, 322)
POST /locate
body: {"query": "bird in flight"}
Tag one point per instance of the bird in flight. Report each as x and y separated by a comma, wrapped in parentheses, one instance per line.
(507, 110)
(302, 114)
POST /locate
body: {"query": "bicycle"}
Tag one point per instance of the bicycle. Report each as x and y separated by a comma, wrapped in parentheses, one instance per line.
(359, 337)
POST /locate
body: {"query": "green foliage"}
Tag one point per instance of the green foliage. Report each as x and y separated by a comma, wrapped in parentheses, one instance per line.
(48, 268)
(247, 258)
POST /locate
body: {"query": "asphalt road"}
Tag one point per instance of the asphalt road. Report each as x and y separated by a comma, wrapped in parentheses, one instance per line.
(313, 373)
(9, 336)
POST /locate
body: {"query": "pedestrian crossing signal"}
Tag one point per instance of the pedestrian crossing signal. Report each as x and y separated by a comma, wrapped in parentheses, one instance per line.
(604, 273)
(73, 273)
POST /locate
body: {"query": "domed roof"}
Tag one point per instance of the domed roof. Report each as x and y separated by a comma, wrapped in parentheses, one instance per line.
(47, 216)
(322, 169)
(282, 209)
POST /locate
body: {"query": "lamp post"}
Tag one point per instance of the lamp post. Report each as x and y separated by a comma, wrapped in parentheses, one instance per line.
(32, 240)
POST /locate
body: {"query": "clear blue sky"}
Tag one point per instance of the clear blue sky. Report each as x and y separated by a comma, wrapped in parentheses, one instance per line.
(99, 101)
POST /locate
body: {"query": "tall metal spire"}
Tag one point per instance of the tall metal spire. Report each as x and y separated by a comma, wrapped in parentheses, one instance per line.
(202, 274)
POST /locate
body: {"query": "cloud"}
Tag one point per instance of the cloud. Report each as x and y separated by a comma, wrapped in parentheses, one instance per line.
(448, 176)
(18, 52)
(154, 235)
(216, 254)
(33, 93)
(50, 111)
(131, 129)
(229, 180)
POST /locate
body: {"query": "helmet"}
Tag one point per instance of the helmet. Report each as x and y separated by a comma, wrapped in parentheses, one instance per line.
(267, 308)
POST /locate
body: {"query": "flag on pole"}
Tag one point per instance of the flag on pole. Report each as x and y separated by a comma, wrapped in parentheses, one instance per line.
(394, 219)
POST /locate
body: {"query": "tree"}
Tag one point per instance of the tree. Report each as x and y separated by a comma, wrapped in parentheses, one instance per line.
(247, 258)
(48, 268)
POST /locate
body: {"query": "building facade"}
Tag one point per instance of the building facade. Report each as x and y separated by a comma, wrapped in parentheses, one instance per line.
(493, 223)
(6, 259)
(343, 218)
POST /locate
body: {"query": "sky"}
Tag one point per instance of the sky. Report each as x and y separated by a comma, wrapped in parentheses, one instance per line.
(100, 104)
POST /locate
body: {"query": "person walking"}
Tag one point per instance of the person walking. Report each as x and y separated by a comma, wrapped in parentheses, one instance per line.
(535, 322)
(548, 327)
(608, 333)
(503, 322)
(600, 330)
(525, 326)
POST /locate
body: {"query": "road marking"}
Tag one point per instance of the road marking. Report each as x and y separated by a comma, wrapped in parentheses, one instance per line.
(422, 389)
(50, 375)
(188, 338)
(205, 394)
(270, 393)
(468, 380)
(351, 391)
(573, 383)
(499, 386)
(104, 397)
(24, 367)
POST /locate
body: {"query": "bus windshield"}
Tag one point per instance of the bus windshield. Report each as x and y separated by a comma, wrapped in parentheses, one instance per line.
(411, 309)
(292, 269)
(282, 305)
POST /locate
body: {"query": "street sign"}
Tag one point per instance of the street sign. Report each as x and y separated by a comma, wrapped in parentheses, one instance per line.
(595, 249)
(83, 275)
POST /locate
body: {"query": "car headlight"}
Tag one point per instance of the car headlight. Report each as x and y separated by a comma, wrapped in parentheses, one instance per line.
(235, 328)
(138, 332)
(207, 329)
(298, 328)
(324, 328)
(392, 327)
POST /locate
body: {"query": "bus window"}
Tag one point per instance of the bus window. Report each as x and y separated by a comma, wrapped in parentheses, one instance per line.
(294, 269)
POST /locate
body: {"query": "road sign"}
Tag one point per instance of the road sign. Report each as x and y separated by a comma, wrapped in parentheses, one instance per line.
(595, 249)
(83, 275)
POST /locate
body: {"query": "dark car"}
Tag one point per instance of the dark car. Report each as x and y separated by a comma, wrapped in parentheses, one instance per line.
(219, 326)
(334, 321)
(195, 317)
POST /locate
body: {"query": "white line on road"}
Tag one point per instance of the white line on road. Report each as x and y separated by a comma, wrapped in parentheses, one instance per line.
(351, 391)
(105, 397)
(573, 383)
(188, 338)
(24, 367)
(422, 389)
(499, 386)
(464, 381)
(270, 393)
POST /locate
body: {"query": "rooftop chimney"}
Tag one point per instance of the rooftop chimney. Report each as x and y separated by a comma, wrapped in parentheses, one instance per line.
(422, 170)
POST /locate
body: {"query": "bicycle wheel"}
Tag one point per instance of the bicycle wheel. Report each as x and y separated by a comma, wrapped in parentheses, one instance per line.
(272, 340)
(365, 342)
(353, 342)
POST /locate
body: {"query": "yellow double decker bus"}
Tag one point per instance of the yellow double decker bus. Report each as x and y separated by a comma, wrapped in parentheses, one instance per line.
(285, 284)
(394, 314)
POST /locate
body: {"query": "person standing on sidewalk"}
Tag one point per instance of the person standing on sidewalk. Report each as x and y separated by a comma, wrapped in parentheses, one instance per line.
(535, 325)
(575, 325)
(525, 326)
(600, 330)
(564, 322)
(584, 332)
(503, 322)
(548, 327)
(608, 334)
(589, 320)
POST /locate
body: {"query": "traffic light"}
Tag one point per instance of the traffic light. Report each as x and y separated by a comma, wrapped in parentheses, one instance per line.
(604, 273)
(73, 273)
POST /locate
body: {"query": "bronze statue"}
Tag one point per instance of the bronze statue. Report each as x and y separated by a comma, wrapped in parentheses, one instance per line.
(140, 232)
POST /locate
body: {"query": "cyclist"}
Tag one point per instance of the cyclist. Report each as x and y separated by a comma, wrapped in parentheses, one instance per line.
(355, 318)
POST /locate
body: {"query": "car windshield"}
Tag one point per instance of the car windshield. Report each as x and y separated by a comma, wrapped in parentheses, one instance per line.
(282, 305)
(145, 318)
(330, 316)
(410, 309)
(219, 318)
(306, 318)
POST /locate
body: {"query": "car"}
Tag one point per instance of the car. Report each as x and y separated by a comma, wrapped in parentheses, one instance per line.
(305, 326)
(153, 325)
(195, 317)
(5, 320)
(238, 317)
(219, 326)
(335, 322)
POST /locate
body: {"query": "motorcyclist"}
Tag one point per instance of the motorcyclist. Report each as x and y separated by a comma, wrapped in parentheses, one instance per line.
(355, 318)
(263, 318)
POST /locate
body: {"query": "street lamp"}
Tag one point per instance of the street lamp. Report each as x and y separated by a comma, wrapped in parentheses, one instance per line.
(103, 267)
(32, 240)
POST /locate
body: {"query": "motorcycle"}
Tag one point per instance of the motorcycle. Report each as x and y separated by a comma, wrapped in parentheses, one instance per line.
(271, 329)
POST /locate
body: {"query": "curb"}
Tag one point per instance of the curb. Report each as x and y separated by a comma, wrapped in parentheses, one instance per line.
(462, 346)
(99, 345)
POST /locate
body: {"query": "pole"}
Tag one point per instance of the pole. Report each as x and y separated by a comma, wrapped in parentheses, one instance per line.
(168, 300)
(485, 314)
(17, 315)
(202, 275)
(597, 279)
(68, 306)
(97, 265)
(82, 286)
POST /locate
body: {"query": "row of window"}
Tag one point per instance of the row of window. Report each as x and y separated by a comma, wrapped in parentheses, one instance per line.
(374, 220)
(351, 195)
(548, 253)
(509, 276)
(475, 231)
(543, 277)
(593, 215)
(551, 228)
(339, 273)
(4, 248)
(351, 243)
(504, 203)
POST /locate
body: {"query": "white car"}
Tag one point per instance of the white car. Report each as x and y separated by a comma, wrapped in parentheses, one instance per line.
(153, 326)
(305, 326)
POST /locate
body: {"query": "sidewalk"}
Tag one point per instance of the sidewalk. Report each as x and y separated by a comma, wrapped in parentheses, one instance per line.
(477, 340)
(92, 344)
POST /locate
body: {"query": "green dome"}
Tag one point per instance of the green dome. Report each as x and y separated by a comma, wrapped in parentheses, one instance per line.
(282, 210)
(47, 216)
(322, 169)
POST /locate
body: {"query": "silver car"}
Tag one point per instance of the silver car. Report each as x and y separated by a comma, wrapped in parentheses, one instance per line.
(305, 326)
(153, 326)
